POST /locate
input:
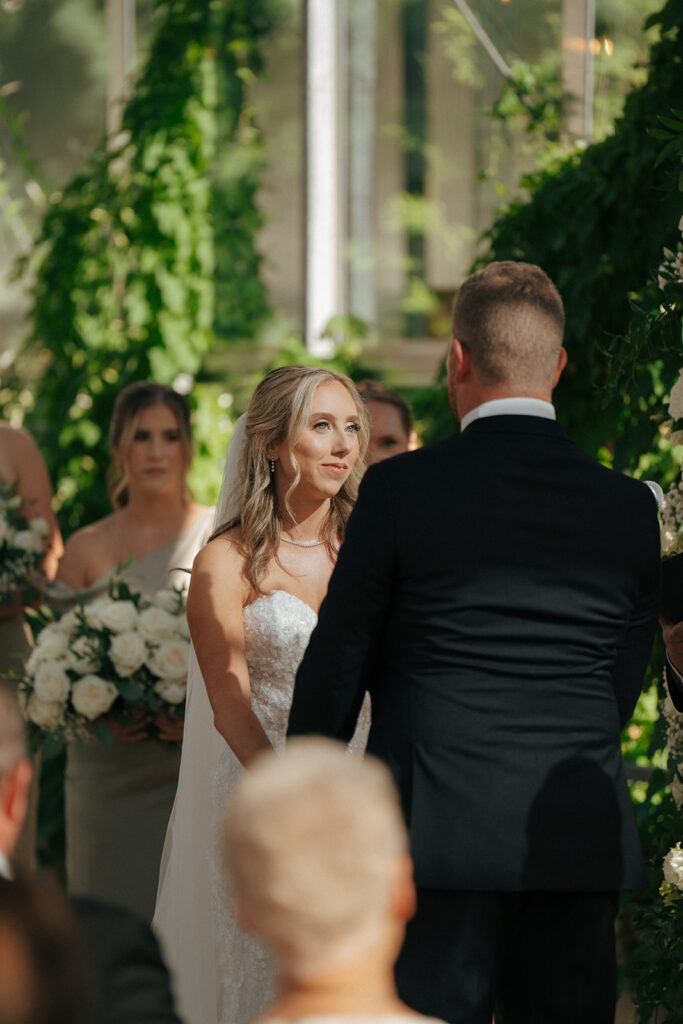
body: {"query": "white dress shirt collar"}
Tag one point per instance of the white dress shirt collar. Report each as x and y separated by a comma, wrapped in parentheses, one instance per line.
(5, 868)
(509, 407)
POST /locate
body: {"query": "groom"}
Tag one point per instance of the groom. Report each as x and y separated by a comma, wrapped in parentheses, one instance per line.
(497, 595)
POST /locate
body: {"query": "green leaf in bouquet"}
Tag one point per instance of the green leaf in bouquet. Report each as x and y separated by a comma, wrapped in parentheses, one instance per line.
(154, 701)
(104, 733)
(124, 593)
(132, 693)
(38, 618)
(118, 588)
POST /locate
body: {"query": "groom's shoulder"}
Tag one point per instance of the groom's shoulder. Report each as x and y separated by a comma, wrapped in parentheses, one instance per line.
(409, 465)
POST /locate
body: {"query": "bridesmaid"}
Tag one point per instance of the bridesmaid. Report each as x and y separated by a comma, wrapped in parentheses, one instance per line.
(22, 464)
(119, 799)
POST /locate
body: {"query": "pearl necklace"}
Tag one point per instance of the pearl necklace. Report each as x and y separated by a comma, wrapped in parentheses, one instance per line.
(303, 543)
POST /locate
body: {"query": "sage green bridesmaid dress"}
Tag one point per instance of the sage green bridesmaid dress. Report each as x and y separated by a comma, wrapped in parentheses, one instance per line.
(119, 799)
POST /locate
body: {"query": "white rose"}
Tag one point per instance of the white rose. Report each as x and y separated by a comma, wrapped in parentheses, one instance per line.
(52, 643)
(92, 696)
(27, 541)
(51, 683)
(34, 659)
(171, 690)
(39, 526)
(156, 624)
(669, 540)
(167, 599)
(81, 657)
(119, 616)
(93, 613)
(128, 652)
(170, 658)
(45, 713)
(69, 622)
(673, 867)
(676, 398)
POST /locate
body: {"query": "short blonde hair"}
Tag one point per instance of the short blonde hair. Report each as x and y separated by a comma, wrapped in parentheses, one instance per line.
(509, 315)
(313, 839)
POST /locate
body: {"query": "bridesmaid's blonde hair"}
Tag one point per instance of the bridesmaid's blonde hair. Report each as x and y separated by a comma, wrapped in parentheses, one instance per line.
(130, 402)
(280, 409)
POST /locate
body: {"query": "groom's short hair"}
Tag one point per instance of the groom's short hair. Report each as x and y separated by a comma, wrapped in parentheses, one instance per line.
(313, 838)
(509, 316)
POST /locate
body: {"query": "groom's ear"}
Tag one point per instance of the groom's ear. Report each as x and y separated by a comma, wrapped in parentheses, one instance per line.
(460, 361)
(561, 363)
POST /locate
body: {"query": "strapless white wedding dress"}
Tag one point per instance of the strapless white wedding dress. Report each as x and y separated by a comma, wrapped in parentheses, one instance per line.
(222, 976)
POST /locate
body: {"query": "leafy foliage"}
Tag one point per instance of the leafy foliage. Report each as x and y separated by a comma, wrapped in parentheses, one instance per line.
(124, 274)
(654, 969)
(598, 224)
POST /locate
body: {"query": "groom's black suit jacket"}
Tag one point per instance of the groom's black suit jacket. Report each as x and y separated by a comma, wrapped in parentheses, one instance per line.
(497, 595)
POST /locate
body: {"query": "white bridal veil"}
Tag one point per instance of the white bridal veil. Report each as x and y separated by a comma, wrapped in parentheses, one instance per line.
(184, 916)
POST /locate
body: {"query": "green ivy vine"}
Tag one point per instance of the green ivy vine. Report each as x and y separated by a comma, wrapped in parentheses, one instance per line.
(598, 222)
(149, 253)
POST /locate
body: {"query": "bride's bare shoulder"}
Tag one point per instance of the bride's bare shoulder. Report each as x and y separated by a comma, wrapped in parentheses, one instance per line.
(223, 558)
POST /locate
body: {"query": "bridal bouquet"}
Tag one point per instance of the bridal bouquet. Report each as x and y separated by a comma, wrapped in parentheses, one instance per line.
(21, 548)
(119, 653)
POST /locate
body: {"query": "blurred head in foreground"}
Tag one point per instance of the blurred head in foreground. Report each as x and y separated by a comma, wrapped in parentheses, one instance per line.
(317, 853)
(391, 422)
(41, 977)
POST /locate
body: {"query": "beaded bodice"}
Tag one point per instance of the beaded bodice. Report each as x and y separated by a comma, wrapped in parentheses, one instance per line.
(277, 628)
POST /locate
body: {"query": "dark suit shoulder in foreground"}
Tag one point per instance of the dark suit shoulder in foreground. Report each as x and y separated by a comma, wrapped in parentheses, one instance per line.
(130, 983)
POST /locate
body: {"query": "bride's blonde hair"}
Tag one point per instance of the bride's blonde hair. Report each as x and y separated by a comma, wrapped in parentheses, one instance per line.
(280, 410)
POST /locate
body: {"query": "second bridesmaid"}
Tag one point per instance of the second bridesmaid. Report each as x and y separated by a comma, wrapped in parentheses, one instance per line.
(119, 799)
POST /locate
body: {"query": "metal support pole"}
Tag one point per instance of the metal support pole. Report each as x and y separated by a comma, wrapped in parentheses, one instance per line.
(589, 33)
(121, 56)
(361, 158)
(323, 206)
(578, 32)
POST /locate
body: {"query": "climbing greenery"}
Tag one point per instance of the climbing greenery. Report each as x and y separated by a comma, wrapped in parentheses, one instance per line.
(148, 254)
(598, 224)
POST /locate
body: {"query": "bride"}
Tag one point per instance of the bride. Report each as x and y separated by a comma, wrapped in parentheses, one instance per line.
(290, 481)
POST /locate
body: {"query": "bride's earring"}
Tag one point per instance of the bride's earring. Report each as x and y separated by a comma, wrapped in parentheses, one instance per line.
(271, 463)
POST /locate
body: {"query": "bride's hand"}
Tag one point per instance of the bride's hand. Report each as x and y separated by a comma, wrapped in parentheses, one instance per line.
(169, 726)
